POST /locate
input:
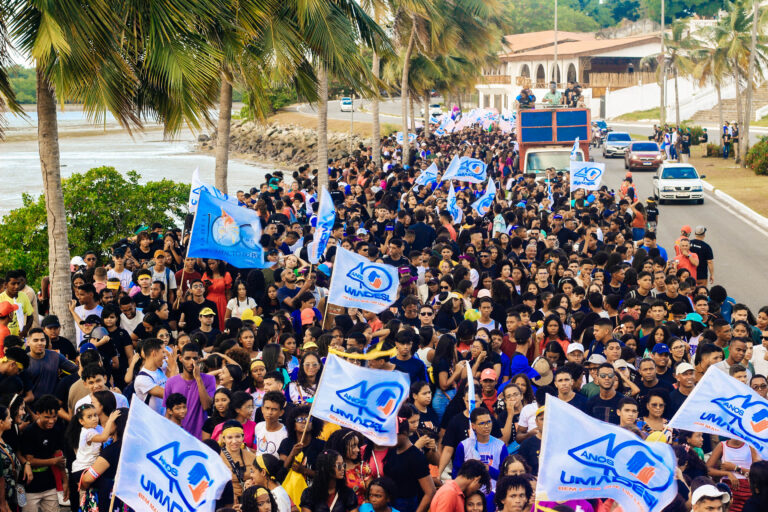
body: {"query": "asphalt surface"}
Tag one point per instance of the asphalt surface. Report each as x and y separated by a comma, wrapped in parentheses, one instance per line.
(738, 245)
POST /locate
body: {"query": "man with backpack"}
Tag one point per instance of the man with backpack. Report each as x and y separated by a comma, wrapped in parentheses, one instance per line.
(149, 384)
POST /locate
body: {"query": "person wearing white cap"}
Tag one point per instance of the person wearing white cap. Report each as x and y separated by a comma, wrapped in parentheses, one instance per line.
(685, 373)
(708, 498)
(575, 353)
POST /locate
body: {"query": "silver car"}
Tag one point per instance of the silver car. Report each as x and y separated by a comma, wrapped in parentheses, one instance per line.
(615, 144)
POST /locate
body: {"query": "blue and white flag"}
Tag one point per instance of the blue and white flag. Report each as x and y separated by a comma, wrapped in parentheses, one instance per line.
(399, 137)
(550, 196)
(575, 150)
(466, 169)
(723, 406)
(198, 186)
(326, 217)
(226, 232)
(363, 399)
(426, 177)
(589, 458)
(162, 467)
(357, 282)
(453, 206)
(483, 204)
(586, 175)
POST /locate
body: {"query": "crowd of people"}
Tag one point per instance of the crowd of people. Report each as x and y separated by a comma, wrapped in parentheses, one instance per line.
(548, 294)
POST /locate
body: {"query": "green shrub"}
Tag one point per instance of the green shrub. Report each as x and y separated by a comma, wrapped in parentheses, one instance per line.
(757, 157)
(697, 133)
(714, 150)
(388, 129)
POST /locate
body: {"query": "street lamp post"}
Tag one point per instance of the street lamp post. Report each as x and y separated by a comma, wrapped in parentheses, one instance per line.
(555, 70)
(663, 107)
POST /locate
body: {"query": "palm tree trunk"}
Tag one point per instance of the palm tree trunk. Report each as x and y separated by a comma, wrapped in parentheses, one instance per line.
(404, 96)
(739, 113)
(744, 134)
(322, 127)
(719, 108)
(677, 101)
(376, 136)
(426, 115)
(412, 119)
(222, 136)
(58, 242)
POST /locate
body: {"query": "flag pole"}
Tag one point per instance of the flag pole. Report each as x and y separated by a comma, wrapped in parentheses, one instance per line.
(312, 407)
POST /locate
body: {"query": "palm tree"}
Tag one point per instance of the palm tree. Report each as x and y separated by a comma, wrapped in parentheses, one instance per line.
(711, 65)
(753, 50)
(7, 94)
(113, 57)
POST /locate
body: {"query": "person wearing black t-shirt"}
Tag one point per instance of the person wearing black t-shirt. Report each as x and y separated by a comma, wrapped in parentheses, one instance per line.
(407, 466)
(52, 328)
(190, 310)
(565, 392)
(40, 442)
(648, 380)
(603, 406)
(16, 361)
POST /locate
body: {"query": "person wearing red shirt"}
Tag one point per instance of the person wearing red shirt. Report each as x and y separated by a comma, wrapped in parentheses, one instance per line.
(6, 310)
(687, 259)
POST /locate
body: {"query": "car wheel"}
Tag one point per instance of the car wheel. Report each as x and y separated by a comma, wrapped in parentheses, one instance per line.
(626, 166)
(700, 201)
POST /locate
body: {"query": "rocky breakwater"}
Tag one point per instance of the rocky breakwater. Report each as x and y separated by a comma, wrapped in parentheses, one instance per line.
(278, 144)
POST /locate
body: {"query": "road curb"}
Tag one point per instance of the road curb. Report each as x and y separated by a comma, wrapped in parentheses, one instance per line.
(737, 206)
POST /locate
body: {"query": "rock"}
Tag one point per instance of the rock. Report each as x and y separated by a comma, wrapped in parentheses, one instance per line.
(203, 138)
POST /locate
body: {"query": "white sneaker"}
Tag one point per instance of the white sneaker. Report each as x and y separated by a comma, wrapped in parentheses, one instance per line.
(62, 501)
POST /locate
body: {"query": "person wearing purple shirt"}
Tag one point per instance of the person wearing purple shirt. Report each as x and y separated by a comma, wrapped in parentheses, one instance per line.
(196, 387)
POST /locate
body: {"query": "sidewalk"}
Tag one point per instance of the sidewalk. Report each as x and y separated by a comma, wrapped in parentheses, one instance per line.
(741, 184)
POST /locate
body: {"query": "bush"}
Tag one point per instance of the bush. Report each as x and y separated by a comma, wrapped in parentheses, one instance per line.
(388, 129)
(102, 207)
(697, 133)
(714, 150)
(757, 157)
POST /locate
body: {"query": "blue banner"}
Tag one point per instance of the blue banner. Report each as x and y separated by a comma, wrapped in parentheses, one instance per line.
(357, 282)
(427, 177)
(363, 399)
(575, 150)
(162, 467)
(453, 207)
(399, 137)
(466, 169)
(590, 459)
(226, 232)
(326, 217)
(723, 406)
(484, 202)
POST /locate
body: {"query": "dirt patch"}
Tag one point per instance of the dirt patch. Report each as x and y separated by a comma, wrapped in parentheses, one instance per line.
(363, 129)
(741, 184)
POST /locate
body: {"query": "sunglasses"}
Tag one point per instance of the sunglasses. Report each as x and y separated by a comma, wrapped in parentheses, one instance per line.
(755, 387)
(341, 465)
(605, 375)
(426, 313)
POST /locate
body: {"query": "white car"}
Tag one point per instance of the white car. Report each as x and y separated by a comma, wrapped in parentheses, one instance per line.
(434, 110)
(678, 182)
(615, 144)
(347, 105)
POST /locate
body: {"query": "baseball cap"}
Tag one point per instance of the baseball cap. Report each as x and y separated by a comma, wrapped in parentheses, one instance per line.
(686, 229)
(544, 369)
(6, 308)
(159, 252)
(683, 367)
(86, 346)
(694, 317)
(709, 491)
(361, 231)
(48, 321)
(488, 374)
(540, 411)
(596, 359)
(660, 348)
(620, 363)
(307, 315)
(700, 230)
(309, 345)
(207, 312)
(91, 319)
(575, 347)
(483, 293)
(77, 261)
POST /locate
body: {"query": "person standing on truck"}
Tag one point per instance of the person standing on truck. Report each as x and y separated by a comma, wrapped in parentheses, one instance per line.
(526, 99)
(553, 98)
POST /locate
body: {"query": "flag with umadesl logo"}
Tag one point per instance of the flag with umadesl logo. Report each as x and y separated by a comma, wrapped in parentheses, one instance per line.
(723, 406)
(198, 186)
(326, 217)
(586, 175)
(226, 232)
(483, 204)
(162, 467)
(363, 399)
(590, 459)
(466, 169)
(357, 282)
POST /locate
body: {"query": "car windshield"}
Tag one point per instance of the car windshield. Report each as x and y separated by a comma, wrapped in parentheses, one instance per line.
(435, 105)
(679, 173)
(645, 146)
(560, 160)
(619, 137)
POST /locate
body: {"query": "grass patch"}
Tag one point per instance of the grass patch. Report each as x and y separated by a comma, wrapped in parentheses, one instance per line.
(741, 184)
(639, 115)
(364, 129)
(761, 122)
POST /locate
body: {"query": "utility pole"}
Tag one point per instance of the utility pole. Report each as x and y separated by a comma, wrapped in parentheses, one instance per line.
(352, 123)
(663, 107)
(555, 71)
(744, 136)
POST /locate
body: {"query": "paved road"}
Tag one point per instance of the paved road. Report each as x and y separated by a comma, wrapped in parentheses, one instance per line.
(740, 248)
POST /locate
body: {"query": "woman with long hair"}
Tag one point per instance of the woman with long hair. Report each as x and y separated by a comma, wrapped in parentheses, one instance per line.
(302, 391)
(659, 334)
(554, 331)
(451, 312)
(758, 484)
(265, 472)
(11, 469)
(656, 402)
(219, 413)
(274, 360)
(258, 498)
(358, 473)
(246, 338)
(269, 303)
(678, 352)
(242, 411)
(445, 373)
(236, 456)
(239, 302)
(731, 461)
(255, 381)
(99, 479)
(421, 399)
(300, 449)
(329, 491)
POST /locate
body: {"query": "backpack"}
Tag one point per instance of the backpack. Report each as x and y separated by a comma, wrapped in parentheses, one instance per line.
(130, 389)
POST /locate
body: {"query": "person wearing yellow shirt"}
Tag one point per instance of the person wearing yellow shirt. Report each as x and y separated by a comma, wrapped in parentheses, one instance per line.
(14, 284)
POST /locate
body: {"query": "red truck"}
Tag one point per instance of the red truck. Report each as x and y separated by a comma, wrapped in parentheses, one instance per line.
(545, 138)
